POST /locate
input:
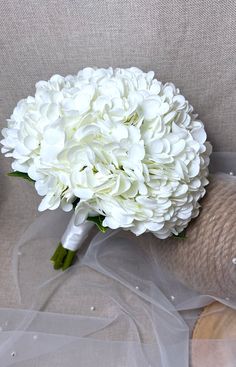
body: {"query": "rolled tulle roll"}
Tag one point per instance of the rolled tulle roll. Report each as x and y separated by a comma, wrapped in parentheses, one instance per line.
(206, 259)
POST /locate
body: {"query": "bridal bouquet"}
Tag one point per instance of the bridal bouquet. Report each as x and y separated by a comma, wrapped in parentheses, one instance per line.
(117, 147)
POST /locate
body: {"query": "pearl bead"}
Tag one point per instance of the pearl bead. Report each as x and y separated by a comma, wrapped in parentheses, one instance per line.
(92, 308)
(231, 173)
(172, 298)
(137, 287)
(234, 260)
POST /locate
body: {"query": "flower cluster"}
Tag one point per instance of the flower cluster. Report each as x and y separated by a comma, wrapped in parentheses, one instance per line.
(128, 146)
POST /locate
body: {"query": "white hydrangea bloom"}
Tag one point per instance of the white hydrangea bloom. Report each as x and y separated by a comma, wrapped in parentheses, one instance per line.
(128, 146)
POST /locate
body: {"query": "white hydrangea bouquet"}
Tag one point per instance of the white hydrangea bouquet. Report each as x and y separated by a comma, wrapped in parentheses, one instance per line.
(117, 146)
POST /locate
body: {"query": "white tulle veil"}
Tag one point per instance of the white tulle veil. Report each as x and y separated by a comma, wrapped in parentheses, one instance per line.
(149, 313)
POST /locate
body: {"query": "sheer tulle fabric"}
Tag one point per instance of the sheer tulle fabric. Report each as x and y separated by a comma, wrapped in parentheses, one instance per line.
(150, 313)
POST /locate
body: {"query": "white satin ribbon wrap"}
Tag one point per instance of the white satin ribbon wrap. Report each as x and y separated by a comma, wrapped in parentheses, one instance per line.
(74, 236)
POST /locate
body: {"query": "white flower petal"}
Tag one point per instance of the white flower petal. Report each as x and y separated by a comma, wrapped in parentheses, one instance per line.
(82, 193)
(199, 134)
(151, 108)
(53, 112)
(31, 142)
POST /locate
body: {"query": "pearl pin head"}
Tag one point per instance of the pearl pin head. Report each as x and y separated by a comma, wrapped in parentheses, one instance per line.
(234, 260)
(92, 308)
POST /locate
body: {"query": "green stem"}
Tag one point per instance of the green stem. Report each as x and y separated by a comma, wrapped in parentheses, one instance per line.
(62, 258)
(68, 259)
(56, 253)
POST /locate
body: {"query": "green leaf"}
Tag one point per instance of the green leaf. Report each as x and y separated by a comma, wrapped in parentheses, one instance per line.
(98, 221)
(181, 235)
(20, 175)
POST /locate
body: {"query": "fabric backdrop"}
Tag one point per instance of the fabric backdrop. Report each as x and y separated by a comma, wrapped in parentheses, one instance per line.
(191, 43)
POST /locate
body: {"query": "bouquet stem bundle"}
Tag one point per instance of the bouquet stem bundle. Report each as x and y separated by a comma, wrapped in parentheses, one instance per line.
(62, 258)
